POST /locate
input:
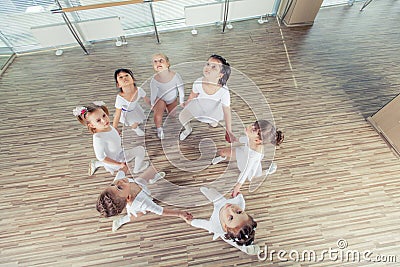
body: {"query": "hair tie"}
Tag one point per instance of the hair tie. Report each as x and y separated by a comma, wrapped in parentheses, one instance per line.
(99, 103)
(78, 111)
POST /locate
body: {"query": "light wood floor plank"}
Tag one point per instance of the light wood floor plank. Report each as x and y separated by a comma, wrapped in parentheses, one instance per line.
(336, 177)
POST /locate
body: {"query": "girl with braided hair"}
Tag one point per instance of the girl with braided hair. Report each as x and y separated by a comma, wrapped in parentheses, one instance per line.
(133, 195)
(229, 221)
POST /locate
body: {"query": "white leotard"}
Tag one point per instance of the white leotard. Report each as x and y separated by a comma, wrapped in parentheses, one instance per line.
(131, 112)
(167, 91)
(208, 108)
(248, 161)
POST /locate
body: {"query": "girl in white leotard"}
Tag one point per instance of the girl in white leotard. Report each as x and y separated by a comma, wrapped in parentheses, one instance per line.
(250, 154)
(165, 87)
(229, 221)
(135, 197)
(107, 142)
(127, 107)
(209, 100)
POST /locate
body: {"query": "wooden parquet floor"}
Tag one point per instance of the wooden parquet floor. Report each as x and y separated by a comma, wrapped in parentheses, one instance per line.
(336, 177)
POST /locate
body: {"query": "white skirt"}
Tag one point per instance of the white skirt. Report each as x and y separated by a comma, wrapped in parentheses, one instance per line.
(206, 110)
(130, 117)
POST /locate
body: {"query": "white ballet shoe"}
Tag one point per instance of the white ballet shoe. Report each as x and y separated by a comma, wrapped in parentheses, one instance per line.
(138, 131)
(185, 134)
(272, 168)
(213, 124)
(204, 190)
(217, 160)
(116, 224)
(92, 167)
(142, 168)
(253, 249)
(160, 133)
(157, 177)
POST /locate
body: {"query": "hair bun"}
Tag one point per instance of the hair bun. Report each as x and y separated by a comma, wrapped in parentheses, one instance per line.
(279, 137)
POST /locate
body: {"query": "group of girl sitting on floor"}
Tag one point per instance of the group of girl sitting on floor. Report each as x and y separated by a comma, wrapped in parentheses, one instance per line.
(209, 102)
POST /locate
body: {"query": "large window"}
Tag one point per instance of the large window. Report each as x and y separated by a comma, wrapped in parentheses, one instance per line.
(335, 2)
(17, 17)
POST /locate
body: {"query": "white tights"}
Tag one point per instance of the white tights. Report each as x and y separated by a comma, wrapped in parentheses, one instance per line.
(136, 153)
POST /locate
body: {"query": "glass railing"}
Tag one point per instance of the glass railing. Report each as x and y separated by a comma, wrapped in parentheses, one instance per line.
(6, 53)
(18, 17)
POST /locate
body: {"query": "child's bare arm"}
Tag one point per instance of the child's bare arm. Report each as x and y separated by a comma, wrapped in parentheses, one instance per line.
(114, 162)
(191, 96)
(228, 124)
(147, 100)
(187, 216)
(117, 116)
(236, 189)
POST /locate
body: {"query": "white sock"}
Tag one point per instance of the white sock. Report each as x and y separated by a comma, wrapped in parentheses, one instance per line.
(117, 223)
(139, 157)
(159, 130)
(188, 127)
(125, 219)
(157, 177)
(98, 164)
(218, 160)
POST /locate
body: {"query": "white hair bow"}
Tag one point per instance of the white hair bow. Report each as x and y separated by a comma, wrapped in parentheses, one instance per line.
(99, 103)
(79, 111)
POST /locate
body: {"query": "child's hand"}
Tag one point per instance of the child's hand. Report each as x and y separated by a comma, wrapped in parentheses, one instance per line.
(118, 131)
(236, 190)
(124, 167)
(187, 216)
(230, 137)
